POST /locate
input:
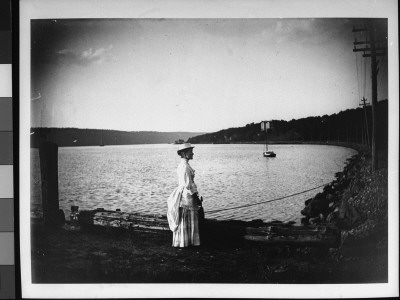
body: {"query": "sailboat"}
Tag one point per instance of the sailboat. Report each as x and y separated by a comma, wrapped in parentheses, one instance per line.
(266, 153)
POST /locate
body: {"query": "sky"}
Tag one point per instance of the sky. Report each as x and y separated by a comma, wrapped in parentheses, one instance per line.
(198, 75)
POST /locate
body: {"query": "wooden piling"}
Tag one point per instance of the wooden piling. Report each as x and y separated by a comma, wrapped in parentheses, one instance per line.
(48, 153)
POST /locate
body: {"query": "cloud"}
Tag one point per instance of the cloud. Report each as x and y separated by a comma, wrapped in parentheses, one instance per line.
(313, 31)
(299, 29)
(86, 57)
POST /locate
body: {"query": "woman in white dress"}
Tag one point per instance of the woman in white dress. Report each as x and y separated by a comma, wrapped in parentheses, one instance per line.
(184, 203)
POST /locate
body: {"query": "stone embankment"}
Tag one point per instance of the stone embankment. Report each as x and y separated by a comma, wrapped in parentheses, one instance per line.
(356, 201)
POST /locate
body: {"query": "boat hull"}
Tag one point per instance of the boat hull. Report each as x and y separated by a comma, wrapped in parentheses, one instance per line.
(269, 154)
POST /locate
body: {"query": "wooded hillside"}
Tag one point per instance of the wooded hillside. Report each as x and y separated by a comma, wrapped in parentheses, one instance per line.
(345, 126)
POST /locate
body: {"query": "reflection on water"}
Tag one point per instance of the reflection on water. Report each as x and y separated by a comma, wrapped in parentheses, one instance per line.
(139, 178)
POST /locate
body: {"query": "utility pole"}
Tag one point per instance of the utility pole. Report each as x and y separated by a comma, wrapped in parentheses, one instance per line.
(364, 104)
(372, 50)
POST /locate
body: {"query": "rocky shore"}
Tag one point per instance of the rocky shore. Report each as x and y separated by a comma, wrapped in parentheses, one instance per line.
(356, 202)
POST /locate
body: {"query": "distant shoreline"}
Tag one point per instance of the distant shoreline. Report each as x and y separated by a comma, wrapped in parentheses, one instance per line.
(355, 146)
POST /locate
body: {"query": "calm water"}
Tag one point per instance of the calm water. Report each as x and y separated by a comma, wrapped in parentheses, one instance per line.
(139, 178)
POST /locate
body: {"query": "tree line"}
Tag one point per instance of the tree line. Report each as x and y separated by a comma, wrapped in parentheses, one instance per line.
(349, 126)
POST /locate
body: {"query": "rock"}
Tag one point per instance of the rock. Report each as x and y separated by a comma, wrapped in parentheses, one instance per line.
(348, 217)
(318, 205)
(305, 221)
(332, 217)
(328, 188)
(363, 230)
(315, 220)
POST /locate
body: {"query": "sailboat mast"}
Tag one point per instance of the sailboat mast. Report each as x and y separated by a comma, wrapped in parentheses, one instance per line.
(265, 125)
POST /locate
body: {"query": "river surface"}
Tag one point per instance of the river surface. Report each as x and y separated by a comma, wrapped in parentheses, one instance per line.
(139, 178)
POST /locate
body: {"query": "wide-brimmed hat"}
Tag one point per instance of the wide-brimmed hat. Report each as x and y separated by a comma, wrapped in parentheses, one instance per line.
(185, 146)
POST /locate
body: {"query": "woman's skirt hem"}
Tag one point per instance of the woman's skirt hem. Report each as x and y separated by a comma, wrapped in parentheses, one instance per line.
(187, 233)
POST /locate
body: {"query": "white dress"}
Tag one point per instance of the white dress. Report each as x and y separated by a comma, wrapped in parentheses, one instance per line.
(183, 212)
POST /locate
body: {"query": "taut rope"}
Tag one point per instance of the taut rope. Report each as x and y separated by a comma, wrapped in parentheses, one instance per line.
(272, 200)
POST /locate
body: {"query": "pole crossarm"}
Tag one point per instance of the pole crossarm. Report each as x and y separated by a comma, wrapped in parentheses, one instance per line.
(373, 55)
(364, 102)
(368, 49)
(361, 42)
(368, 42)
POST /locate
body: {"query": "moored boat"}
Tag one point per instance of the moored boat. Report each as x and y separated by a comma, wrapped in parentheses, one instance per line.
(269, 153)
(265, 125)
(178, 142)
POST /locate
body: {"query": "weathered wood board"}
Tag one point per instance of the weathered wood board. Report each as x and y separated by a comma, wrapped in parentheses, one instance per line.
(317, 235)
(122, 220)
(274, 234)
